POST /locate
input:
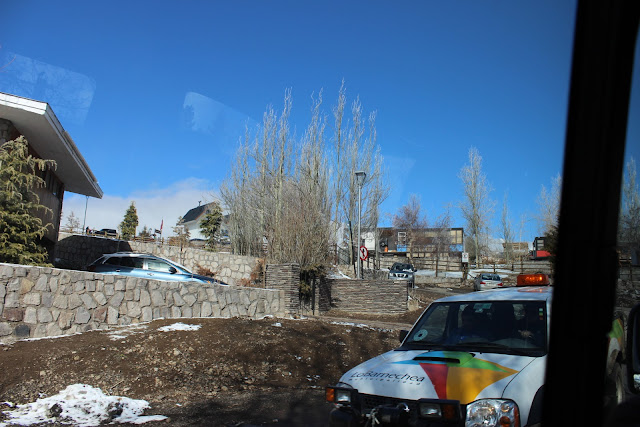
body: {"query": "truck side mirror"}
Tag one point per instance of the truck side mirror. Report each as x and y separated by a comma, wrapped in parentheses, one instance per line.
(633, 350)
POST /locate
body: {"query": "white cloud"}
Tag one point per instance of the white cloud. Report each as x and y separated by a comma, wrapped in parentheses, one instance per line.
(153, 205)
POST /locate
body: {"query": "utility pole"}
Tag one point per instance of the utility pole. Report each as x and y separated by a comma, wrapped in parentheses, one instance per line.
(360, 176)
(84, 221)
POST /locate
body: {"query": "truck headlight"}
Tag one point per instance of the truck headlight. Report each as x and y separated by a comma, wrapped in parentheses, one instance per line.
(339, 395)
(493, 412)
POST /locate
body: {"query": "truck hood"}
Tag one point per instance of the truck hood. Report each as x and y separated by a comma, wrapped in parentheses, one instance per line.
(455, 375)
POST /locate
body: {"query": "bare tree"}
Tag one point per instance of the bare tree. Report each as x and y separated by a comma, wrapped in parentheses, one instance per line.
(477, 207)
(182, 233)
(309, 205)
(284, 194)
(442, 236)
(73, 223)
(629, 223)
(549, 206)
(413, 222)
(255, 191)
(355, 149)
(237, 194)
(507, 230)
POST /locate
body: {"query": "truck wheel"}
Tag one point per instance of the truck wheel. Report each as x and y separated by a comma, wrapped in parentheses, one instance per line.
(614, 388)
(619, 384)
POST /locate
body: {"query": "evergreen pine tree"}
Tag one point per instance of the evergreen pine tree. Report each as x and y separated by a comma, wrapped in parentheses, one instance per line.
(129, 223)
(21, 231)
(211, 224)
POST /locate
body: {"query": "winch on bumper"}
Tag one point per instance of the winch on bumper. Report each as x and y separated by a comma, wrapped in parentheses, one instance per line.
(356, 409)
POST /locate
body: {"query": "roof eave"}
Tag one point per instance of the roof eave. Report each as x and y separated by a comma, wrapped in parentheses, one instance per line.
(39, 124)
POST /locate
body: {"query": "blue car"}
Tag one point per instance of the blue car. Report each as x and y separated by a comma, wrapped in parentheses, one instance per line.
(146, 266)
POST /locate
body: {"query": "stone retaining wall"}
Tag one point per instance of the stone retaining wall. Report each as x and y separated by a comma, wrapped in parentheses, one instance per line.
(39, 301)
(74, 251)
(285, 277)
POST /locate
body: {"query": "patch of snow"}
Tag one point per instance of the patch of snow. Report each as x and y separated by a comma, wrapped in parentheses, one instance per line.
(81, 405)
(50, 337)
(179, 327)
(123, 332)
(277, 324)
(358, 325)
(337, 275)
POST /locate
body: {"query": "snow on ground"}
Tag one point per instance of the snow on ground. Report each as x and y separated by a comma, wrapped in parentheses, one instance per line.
(458, 274)
(358, 325)
(83, 405)
(179, 327)
(80, 405)
(122, 332)
(337, 275)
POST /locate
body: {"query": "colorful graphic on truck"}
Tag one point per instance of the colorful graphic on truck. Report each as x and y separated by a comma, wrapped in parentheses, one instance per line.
(459, 375)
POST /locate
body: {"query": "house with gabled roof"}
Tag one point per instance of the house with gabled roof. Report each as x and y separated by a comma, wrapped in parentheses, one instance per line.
(192, 221)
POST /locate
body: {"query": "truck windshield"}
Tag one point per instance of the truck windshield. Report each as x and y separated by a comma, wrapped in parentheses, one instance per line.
(518, 327)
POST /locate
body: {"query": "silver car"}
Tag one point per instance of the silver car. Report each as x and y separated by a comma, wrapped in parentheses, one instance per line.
(146, 266)
(487, 281)
(402, 271)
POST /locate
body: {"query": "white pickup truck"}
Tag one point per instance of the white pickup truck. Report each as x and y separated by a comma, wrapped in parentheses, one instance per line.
(476, 359)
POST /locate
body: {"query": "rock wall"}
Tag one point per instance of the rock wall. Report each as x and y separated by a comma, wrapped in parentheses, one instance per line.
(285, 277)
(39, 301)
(363, 296)
(75, 252)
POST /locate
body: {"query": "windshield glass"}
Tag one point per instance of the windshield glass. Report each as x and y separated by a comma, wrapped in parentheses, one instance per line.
(496, 326)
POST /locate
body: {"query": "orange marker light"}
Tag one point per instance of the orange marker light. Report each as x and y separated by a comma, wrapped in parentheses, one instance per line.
(533, 280)
(330, 394)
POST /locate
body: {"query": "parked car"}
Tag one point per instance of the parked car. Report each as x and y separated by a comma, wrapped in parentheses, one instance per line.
(146, 266)
(402, 271)
(487, 281)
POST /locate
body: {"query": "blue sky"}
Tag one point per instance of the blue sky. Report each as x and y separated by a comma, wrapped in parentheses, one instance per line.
(156, 94)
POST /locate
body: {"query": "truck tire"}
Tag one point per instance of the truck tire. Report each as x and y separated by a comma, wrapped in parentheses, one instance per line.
(619, 384)
(535, 413)
(614, 390)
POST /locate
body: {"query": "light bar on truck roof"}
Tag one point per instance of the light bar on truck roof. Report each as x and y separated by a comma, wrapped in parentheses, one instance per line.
(538, 279)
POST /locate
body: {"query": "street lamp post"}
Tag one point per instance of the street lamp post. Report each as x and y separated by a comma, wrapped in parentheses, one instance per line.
(84, 221)
(360, 176)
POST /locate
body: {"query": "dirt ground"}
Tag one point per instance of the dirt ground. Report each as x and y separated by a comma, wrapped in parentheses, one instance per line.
(230, 372)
